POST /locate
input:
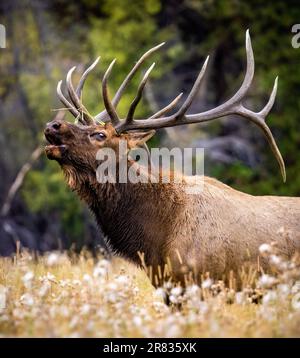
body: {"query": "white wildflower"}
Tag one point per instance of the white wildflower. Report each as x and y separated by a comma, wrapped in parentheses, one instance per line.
(275, 260)
(28, 276)
(48, 277)
(120, 305)
(101, 269)
(112, 286)
(160, 307)
(90, 326)
(64, 294)
(203, 307)
(102, 314)
(192, 291)
(296, 287)
(104, 263)
(176, 291)
(214, 327)
(52, 259)
(27, 299)
(160, 293)
(74, 322)
(64, 283)
(74, 334)
(122, 279)
(268, 313)
(296, 301)
(265, 249)
(44, 289)
(111, 297)
(266, 281)
(64, 311)
(283, 289)
(143, 312)
(206, 283)
(87, 278)
(76, 282)
(135, 290)
(240, 298)
(52, 311)
(173, 299)
(137, 321)
(168, 285)
(192, 318)
(85, 309)
(269, 297)
(18, 313)
(51, 277)
(3, 318)
(27, 279)
(173, 331)
(3, 297)
(99, 272)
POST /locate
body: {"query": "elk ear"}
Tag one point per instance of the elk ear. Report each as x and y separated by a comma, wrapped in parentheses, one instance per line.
(108, 125)
(137, 139)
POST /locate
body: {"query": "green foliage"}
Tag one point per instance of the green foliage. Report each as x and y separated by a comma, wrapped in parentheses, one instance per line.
(126, 30)
(45, 191)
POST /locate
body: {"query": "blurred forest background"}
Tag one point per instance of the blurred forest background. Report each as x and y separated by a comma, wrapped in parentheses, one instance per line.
(46, 38)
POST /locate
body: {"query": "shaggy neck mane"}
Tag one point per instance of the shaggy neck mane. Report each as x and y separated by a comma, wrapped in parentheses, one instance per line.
(129, 214)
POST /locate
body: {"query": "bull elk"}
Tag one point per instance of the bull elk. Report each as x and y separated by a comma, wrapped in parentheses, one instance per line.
(218, 230)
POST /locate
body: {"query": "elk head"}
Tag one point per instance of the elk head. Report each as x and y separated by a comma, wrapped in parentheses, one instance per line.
(75, 146)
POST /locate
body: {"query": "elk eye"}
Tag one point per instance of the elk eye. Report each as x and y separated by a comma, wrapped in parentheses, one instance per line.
(99, 136)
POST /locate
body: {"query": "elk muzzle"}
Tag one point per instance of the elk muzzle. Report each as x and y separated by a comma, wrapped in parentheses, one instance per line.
(53, 133)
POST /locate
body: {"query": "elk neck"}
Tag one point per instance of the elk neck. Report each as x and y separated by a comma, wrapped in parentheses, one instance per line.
(133, 217)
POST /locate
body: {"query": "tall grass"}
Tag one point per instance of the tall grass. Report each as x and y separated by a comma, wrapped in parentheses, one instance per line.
(63, 295)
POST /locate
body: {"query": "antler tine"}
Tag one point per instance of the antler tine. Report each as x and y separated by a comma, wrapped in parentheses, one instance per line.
(75, 99)
(139, 94)
(167, 108)
(266, 110)
(84, 77)
(187, 103)
(259, 119)
(110, 109)
(172, 120)
(65, 102)
(119, 93)
(227, 107)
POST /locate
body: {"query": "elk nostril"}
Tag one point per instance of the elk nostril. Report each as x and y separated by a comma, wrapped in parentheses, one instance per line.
(56, 125)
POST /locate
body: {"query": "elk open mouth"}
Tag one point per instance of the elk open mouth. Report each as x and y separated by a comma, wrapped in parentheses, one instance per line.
(52, 138)
(56, 148)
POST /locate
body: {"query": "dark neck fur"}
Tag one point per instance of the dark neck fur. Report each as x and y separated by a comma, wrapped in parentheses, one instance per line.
(131, 218)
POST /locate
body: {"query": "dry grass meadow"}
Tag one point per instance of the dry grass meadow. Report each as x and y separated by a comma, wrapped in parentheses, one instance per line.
(63, 295)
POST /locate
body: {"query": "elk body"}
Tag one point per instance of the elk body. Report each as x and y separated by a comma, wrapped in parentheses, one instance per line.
(179, 234)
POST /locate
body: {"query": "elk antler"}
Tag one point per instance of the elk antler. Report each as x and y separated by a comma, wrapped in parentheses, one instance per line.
(102, 115)
(76, 107)
(232, 106)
